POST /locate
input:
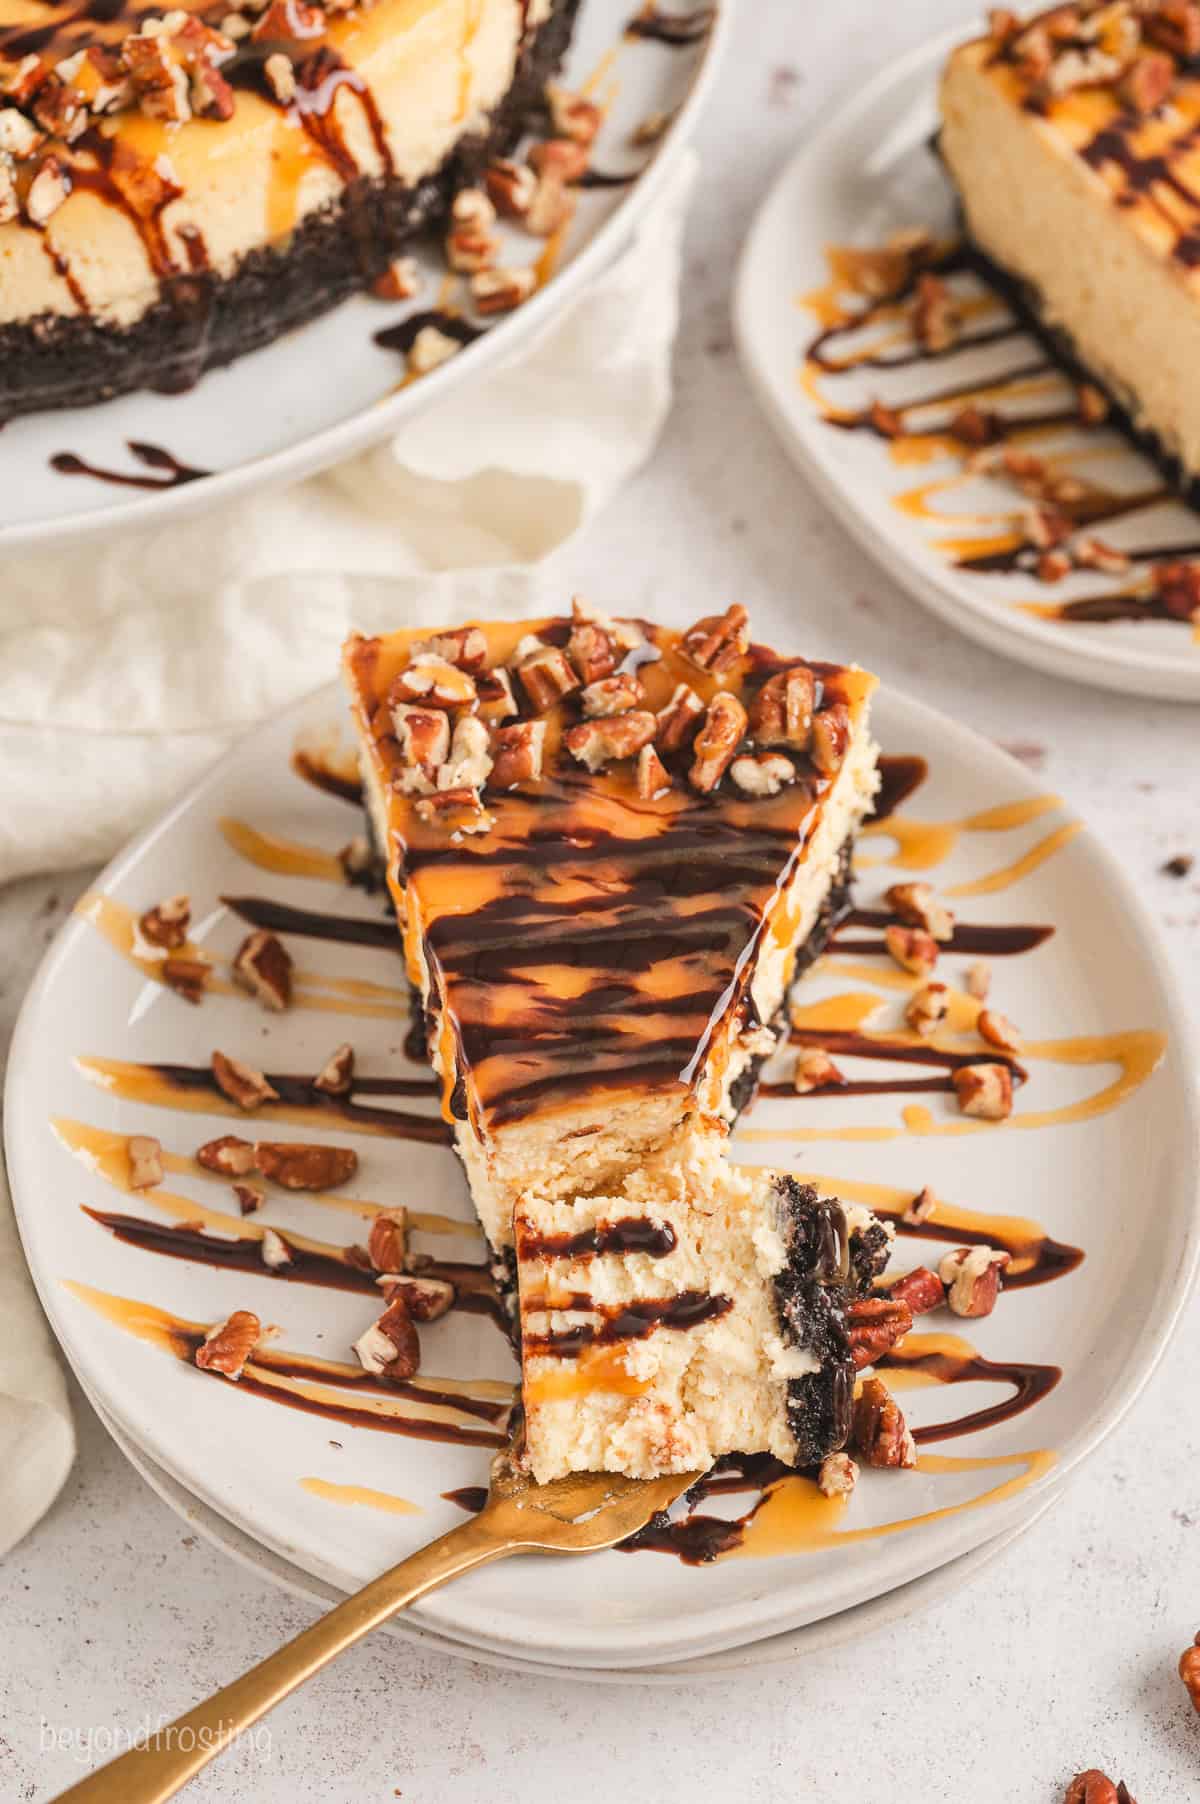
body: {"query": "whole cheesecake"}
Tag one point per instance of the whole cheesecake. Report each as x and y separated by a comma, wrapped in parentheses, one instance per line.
(178, 188)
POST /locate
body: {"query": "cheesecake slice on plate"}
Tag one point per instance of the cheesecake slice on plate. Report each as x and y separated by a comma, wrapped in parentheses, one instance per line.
(611, 847)
(1071, 138)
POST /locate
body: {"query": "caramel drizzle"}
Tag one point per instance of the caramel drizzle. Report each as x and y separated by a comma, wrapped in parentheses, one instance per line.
(861, 335)
(920, 845)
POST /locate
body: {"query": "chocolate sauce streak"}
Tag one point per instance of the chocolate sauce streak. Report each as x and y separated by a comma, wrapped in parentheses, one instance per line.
(628, 1321)
(1001, 941)
(310, 768)
(471, 1498)
(67, 463)
(345, 930)
(401, 337)
(862, 1046)
(293, 1089)
(1030, 1384)
(1048, 1259)
(676, 30)
(900, 776)
(632, 1234)
(601, 178)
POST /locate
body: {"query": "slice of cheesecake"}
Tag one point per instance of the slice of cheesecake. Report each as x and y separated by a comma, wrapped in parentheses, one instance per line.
(1071, 138)
(694, 1311)
(611, 847)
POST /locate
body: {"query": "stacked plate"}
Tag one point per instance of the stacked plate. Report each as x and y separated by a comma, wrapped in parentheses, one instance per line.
(320, 1478)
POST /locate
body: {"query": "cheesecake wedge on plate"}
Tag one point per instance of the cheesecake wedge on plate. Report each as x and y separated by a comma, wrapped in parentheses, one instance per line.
(612, 847)
(1071, 138)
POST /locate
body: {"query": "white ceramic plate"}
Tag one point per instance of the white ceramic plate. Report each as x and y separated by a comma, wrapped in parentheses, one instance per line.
(327, 390)
(870, 1618)
(247, 1458)
(866, 174)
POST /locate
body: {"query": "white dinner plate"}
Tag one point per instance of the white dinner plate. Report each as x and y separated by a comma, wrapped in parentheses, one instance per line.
(894, 1607)
(1100, 1152)
(868, 172)
(327, 390)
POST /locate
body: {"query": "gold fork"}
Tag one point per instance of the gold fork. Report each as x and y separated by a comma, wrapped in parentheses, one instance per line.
(579, 1514)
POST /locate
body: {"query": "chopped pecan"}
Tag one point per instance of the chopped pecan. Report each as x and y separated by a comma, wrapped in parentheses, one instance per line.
(336, 1076)
(625, 633)
(830, 738)
(1002, 25)
(298, 1165)
(600, 742)
(916, 905)
(612, 695)
(1091, 403)
(718, 641)
(551, 207)
(510, 187)
(47, 191)
(20, 81)
(145, 1161)
(677, 721)
(984, 1090)
(387, 1242)
(518, 751)
(470, 762)
(838, 1475)
(927, 1008)
(232, 1157)
(1175, 25)
(431, 348)
(716, 744)
(920, 1290)
(456, 811)
(502, 290)
(921, 1208)
(1189, 1671)
(1178, 587)
(874, 1325)
(203, 50)
(390, 1348)
(263, 966)
(424, 739)
(815, 1070)
(427, 1299)
(19, 136)
(227, 1346)
(472, 208)
(975, 426)
(998, 1030)
(972, 1278)
(912, 949)
(431, 682)
(250, 1197)
(188, 977)
(1095, 1787)
(10, 200)
(1147, 82)
(1052, 566)
(165, 926)
(559, 160)
(592, 652)
(878, 1430)
(241, 1083)
(159, 78)
(979, 980)
(465, 647)
(546, 677)
(887, 422)
(276, 1253)
(400, 281)
(762, 773)
(1094, 554)
(937, 321)
(496, 698)
(284, 19)
(782, 711)
(471, 249)
(653, 778)
(571, 114)
(1048, 527)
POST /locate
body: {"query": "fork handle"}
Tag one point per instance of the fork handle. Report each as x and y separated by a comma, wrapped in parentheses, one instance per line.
(156, 1769)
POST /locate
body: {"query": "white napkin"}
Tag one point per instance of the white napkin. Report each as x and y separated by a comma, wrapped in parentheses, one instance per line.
(125, 670)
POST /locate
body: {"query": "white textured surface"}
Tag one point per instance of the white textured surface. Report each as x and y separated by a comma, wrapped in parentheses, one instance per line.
(1064, 1654)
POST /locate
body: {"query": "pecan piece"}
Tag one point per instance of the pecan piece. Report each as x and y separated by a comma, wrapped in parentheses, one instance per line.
(572, 115)
(678, 719)
(1095, 1787)
(456, 811)
(874, 1325)
(979, 980)
(298, 1165)
(762, 774)
(502, 290)
(430, 349)
(972, 1278)
(188, 977)
(145, 1161)
(1175, 24)
(250, 1197)
(920, 1290)
(427, 1299)
(496, 698)
(400, 281)
(612, 695)
(510, 187)
(387, 1243)
(165, 926)
(998, 1030)
(937, 321)
(232, 1157)
(984, 1090)
(927, 1008)
(241, 1083)
(878, 1430)
(592, 652)
(1178, 587)
(432, 682)
(916, 905)
(227, 1346)
(597, 743)
(465, 647)
(830, 738)
(518, 751)
(336, 1076)
(921, 1208)
(838, 1475)
(912, 949)
(1189, 1671)
(559, 160)
(276, 1253)
(1147, 82)
(390, 1348)
(782, 711)
(546, 677)
(470, 762)
(815, 1070)
(718, 640)
(653, 778)
(551, 207)
(716, 744)
(263, 966)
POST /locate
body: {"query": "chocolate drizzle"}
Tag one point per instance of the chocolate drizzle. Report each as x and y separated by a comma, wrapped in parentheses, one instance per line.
(301, 1091)
(631, 1234)
(315, 924)
(403, 336)
(865, 1046)
(174, 473)
(624, 1321)
(1030, 1383)
(675, 30)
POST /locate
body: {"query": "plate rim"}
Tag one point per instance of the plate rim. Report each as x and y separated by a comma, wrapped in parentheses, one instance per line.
(737, 1623)
(379, 420)
(1028, 641)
